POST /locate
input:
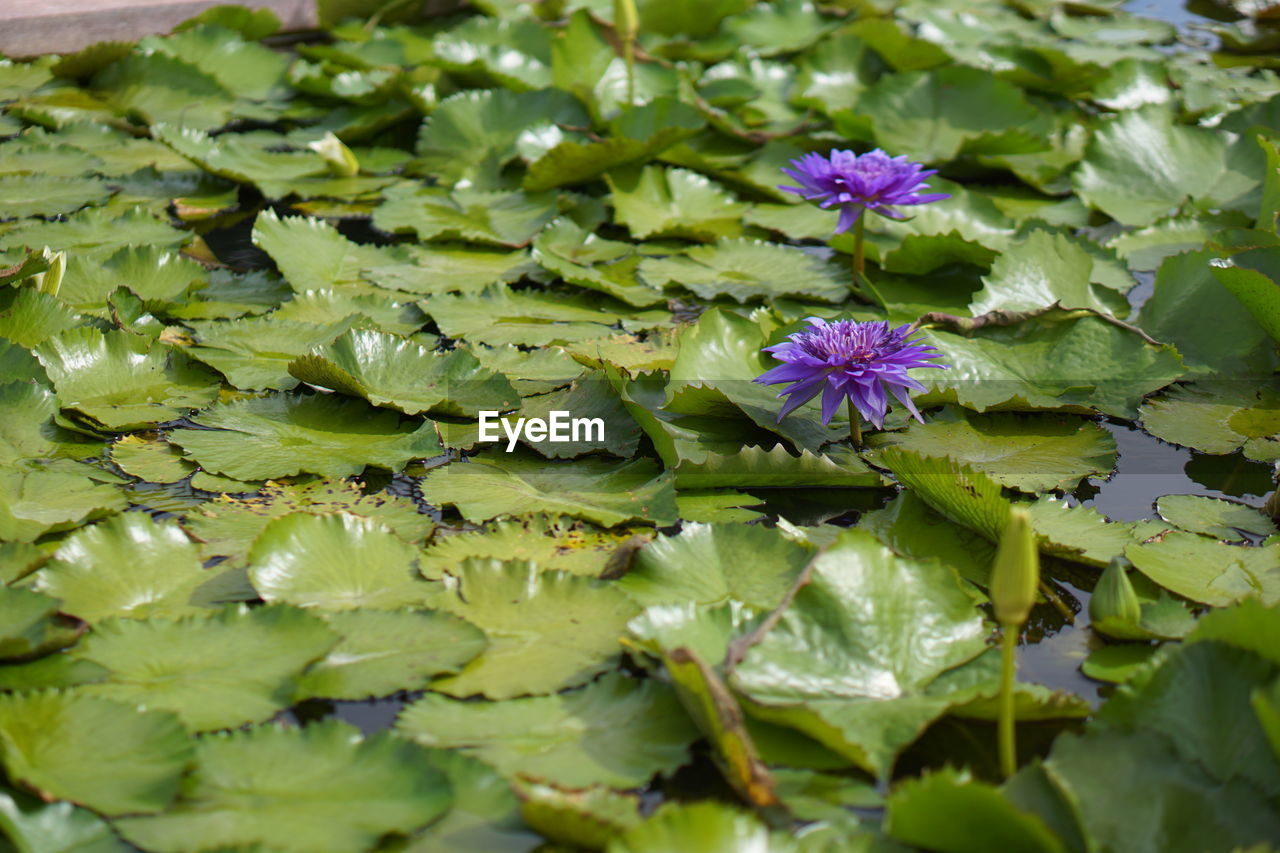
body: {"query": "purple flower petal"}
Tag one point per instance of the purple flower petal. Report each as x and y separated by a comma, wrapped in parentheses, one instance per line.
(855, 182)
(849, 360)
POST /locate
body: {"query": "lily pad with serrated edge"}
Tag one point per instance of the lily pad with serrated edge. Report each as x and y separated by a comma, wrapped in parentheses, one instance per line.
(547, 630)
(244, 792)
(121, 381)
(336, 562)
(388, 370)
(280, 436)
(216, 671)
(614, 731)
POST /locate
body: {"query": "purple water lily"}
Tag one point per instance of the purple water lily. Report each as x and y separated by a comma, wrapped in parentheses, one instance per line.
(873, 181)
(853, 361)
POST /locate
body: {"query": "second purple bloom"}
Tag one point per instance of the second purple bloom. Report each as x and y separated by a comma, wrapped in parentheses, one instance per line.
(853, 183)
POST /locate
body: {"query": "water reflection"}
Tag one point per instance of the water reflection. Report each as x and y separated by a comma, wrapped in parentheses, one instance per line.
(1148, 468)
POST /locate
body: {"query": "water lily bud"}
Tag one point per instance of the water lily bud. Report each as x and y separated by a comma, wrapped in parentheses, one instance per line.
(1016, 573)
(1113, 597)
(626, 22)
(342, 162)
(50, 280)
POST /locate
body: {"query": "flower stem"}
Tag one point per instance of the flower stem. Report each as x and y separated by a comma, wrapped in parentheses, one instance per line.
(855, 424)
(1008, 675)
(859, 262)
(629, 57)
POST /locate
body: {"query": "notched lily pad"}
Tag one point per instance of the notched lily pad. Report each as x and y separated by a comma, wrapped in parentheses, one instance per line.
(280, 436)
(387, 370)
(119, 381)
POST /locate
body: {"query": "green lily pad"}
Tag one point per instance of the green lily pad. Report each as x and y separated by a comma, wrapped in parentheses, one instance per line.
(606, 493)
(31, 627)
(499, 316)
(547, 630)
(1191, 309)
(934, 115)
(244, 792)
(560, 544)
(236, 159)
(255, 352)
(1141, 165)
(472, 135)
(227, 527)
(35, 502)
(837, 467)
(312, 253)
(953, 488)
(748, 270)
(387, 370)
(148, 271)
(381, 653)
(951, 811)
(709, 825)
(484, 816)
(159, 88)
(587, 260)
(658, 202)
(857, 646)
(452, 268)
(152, 459)
(59, 827)
(714, 563)
(1225, 738)
(31, 317)
(335, 562)
(911, 527)
(121, 381)
(1046, 269)
(27, 428)
(636, 135)
(489, 217)
(1249, 625)
(1214, 517)
(1174, 798)
(719, 358)
(580, 816)
(1218, 417)
(515, 54)
(1257, 291)
(329, 306)
(1146, 248)
(129, 565)
(615, 732)
(1211, 572)
(245, 68)
(215, 672)
(93, 228)
(1117, 664)
(39, 195)
(281, 436)
(1033, 453)
(111, 757)
(1058, 360)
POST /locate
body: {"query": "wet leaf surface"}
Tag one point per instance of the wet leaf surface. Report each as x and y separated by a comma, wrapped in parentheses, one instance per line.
(254, 296)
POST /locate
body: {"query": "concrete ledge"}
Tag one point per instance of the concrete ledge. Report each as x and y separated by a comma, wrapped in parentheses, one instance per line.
(34, 27)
